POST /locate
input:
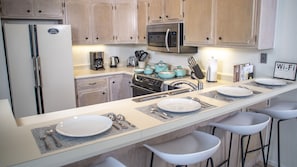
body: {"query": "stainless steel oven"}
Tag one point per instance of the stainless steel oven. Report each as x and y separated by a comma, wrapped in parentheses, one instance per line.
(148, 84)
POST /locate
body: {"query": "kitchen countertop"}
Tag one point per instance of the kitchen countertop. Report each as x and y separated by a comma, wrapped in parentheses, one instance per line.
(18, 147)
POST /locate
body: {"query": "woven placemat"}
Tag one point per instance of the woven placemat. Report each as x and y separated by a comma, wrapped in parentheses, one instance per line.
(69, 141)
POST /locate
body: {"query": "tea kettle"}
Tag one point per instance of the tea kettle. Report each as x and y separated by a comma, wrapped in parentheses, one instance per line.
(114, 61)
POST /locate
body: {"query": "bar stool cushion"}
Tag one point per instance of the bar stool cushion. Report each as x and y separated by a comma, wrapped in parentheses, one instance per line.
(281, 109)
(109, 162)
(186, 150)
(244, 123)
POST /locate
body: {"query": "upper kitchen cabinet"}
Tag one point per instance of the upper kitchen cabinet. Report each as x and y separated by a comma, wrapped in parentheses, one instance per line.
(165, 11)
(142, 20)
(199, 22)
(125, 27)
(33, 9)
(77, 15)
(102, 21)
(230, 23)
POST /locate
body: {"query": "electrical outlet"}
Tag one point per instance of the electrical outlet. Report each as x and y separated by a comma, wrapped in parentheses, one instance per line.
(263, 58)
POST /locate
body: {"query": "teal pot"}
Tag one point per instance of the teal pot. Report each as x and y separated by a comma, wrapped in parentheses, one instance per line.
(179, 71)
(161, 66)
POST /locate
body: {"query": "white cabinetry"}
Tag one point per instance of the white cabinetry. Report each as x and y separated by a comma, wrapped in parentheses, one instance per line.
(102, 21)
(165, 11)
(239, 23)
(41, 9)
(91, 91)
(103, 89)
(119, 87)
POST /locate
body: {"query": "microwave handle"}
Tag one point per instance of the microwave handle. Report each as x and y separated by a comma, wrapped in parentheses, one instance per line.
(166, 39)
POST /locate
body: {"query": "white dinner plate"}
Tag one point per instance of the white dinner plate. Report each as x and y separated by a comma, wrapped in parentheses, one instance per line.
(270, 81)
(179, 105)
(234, 91)
(84, 125)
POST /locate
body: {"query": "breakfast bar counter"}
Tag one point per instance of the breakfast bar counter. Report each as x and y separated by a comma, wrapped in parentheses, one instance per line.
(18, 147)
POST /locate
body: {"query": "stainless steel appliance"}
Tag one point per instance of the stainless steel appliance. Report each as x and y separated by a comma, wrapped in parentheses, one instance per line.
(39, 63)
(96, 60)
(167, 38)
(132, 61)
(114, 61)
(148, 84)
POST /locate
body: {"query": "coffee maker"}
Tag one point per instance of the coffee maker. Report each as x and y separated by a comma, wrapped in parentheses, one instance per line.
(96, 60)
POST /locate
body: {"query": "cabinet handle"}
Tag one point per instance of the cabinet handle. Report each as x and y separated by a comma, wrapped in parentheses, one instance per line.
(131, 37)
(39, 11)
(93, 83)
(220, 38)
(28, 11)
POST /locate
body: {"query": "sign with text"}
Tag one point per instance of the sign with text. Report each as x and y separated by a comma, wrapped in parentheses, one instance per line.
(285, 70)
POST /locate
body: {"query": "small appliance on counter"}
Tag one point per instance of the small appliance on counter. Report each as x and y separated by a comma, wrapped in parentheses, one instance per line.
(211, 74)
(132, 61)
(114, 61)
(96, 60)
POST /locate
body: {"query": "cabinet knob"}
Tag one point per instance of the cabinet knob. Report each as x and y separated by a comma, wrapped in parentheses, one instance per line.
(113, 82)
(103, 93)
(160, 17)
(166, 16)
(86, 38)
(207, 38)
(28, 11)
(131, 37)
(39, 11)
(144, 37)
(220, 38)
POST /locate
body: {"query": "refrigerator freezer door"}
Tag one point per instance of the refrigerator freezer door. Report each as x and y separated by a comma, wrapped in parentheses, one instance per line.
(20, 69)
(56, 68)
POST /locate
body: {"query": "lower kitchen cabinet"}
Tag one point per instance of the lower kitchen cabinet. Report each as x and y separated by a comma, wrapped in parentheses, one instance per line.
(119, 86)
(91, 91)
(96, 90)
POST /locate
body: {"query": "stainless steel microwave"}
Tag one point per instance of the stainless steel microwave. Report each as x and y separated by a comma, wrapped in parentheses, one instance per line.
(167, 38)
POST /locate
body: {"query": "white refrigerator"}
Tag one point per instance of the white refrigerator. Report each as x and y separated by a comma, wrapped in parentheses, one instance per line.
(40, 70)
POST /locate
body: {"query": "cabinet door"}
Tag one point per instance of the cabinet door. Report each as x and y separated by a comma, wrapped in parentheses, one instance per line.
(235, 22)
(85, 98)
(102, 21)
(125, 21)
(48, 8)
(142, 20)
(91, 91)
(155, 11)
(198, 22)
(20, 8)
(173, 10)
(77, 15)
(119, 86)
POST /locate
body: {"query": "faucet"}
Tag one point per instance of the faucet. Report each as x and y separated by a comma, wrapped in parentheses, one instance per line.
(199, 85)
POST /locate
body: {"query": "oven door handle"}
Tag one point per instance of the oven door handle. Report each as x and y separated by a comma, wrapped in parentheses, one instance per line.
(148, 90)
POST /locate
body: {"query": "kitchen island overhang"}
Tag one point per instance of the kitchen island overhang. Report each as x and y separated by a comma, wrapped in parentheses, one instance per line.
(18, 147)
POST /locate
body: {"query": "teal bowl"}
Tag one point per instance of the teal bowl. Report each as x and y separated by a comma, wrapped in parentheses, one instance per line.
(166, 74)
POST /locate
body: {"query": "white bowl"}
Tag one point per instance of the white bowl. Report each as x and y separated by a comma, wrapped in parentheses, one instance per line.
(138, 70)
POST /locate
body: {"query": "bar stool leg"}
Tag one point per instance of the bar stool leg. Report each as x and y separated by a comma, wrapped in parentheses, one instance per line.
(211, 162)
(152, 159)
(278, 142)
(269, 141)
(229, 151)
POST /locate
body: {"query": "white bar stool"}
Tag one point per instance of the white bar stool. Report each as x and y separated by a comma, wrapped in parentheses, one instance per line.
(282, 111)
(109, 162)
(186, 150)
(244, 124)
